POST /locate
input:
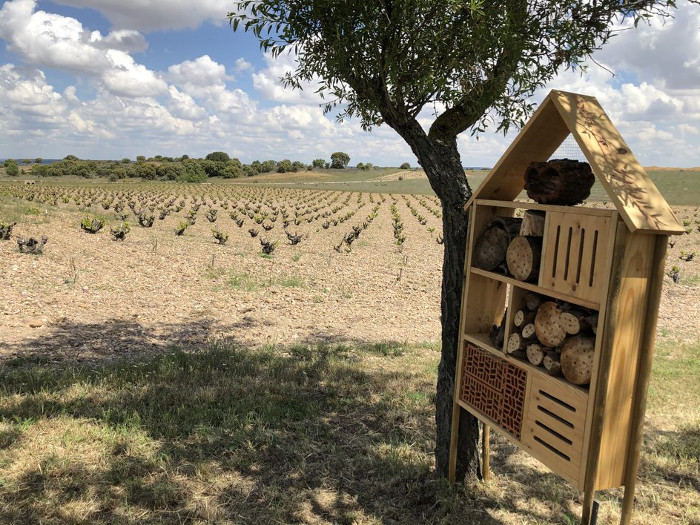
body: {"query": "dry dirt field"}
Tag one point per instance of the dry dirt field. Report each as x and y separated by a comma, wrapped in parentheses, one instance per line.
(89, 296)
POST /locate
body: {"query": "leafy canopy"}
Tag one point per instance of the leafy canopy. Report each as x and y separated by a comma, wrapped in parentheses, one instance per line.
(471, 60)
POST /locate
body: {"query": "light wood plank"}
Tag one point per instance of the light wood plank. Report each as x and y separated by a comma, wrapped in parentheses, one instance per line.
(643, 374)
(635, 196)
(624, 329)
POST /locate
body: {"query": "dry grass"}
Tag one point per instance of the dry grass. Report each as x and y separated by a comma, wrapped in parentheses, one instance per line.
(303, 434)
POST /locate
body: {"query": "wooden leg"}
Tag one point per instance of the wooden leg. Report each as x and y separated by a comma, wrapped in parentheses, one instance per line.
(486, 449)
(627, 504)
(587, 516)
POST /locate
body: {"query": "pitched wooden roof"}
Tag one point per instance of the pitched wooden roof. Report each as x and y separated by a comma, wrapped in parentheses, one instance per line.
(629, 187)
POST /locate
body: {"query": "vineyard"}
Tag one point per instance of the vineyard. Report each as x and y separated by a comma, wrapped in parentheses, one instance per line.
(185, 264)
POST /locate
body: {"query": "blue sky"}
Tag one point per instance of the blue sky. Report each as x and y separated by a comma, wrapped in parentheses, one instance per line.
(121, 78)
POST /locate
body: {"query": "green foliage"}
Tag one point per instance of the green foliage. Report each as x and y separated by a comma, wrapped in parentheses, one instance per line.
(6, 230)
(92, 224)
(181, 227)
(218, 156)
(339, 160)
(119, 233)
(318, 164)
(482, 60)
(11, 168)
(284, 166)
(220, 236)
(405, 166)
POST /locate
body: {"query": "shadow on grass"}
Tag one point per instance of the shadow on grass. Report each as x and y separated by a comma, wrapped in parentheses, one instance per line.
(227, 434)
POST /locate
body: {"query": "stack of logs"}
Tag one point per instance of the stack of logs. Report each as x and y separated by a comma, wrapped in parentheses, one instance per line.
(554, 334)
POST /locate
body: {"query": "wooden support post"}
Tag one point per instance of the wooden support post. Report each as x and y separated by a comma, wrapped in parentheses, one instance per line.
(485, 451)
(643, 374)
(592, 460)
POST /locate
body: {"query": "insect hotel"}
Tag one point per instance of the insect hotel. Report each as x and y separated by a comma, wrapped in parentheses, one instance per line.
(561, 299)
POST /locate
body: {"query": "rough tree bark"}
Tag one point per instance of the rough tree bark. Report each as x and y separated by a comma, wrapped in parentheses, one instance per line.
(443, 166)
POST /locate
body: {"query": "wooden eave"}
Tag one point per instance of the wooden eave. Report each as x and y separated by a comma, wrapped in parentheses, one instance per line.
(639, 202)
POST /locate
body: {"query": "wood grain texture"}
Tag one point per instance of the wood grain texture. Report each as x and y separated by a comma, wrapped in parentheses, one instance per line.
(643, 375)
(554, 426)
(635, 196)
(623, 332)
(574, 255)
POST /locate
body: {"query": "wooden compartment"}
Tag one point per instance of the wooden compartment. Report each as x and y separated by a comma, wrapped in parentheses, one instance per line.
(574, 253)
(554, 425)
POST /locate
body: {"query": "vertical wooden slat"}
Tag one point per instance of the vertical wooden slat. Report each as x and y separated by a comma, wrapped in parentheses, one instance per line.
(643, 375)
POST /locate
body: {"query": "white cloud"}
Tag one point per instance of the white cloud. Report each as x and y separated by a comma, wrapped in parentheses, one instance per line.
(184, 106)
(126, 40)
(129, 79)
(118, 107)
(242, 65)
(45, 39)
(155, 15)
(28, 101)
(267, 82)
(666, 52)
(199, 73)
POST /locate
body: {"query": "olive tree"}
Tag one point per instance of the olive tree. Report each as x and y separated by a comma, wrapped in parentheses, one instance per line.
(471, 63)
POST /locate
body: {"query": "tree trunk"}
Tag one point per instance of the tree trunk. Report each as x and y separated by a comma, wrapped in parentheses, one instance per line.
(442, 164)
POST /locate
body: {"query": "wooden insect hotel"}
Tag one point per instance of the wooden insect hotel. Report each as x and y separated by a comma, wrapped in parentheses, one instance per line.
(560, 300)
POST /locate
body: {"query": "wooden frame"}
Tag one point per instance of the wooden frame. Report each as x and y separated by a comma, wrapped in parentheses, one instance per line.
(610, 261)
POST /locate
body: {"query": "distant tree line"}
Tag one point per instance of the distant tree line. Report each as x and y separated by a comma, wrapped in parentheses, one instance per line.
(180, 169)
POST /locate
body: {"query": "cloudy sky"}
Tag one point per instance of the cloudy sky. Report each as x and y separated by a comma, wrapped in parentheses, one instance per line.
(107, 79)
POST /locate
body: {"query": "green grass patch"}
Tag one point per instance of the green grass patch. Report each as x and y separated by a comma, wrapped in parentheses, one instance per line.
(252, 283)
(323, 433)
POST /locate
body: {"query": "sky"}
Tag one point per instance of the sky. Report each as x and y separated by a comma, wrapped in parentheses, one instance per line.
(108, 79)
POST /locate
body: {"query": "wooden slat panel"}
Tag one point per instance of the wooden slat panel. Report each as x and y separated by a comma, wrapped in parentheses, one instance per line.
(567, 267)
(639, 202)
(554, 426)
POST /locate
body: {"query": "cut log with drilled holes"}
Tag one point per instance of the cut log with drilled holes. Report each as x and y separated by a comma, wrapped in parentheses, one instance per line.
(533, 224)
(552, 363)
(550, 328)
(515, 342)
(491, 247)
(572, 322)
(523, 258)
(577, 359)
(535, 354)
(529, 331)
(523, 317)
(532, 301)
(561, 181)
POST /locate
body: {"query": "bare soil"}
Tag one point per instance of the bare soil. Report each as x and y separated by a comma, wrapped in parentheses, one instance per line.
(89, 297)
